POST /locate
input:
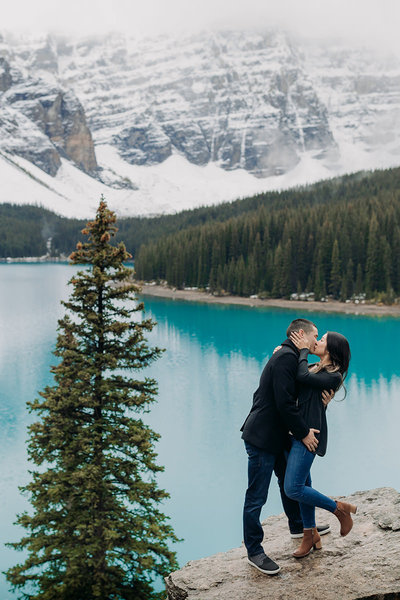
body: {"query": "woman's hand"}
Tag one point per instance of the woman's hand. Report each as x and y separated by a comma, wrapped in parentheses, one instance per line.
(327, 397)
(276, 349)
(299, 341)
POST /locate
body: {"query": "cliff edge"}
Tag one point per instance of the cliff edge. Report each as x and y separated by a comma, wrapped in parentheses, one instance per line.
(363, 565)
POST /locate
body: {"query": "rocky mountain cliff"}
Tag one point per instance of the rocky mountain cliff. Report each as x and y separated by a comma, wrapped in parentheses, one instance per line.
(240, 101)
(42, 122)
(277, 108)
(365, 565)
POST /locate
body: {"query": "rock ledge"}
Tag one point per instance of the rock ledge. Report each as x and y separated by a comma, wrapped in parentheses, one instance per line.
(363, 565)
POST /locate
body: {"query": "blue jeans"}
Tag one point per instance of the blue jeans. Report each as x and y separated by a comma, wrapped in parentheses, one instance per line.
(261, 464)
(298, 484)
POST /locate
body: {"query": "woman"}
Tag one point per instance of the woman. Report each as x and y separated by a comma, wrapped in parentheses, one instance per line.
(328, 374)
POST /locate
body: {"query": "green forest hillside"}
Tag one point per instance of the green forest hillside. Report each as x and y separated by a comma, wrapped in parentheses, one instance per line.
(25, 230)
(338, 237)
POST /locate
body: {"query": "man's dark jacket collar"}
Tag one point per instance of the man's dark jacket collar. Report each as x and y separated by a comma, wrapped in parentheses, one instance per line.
(289, 343)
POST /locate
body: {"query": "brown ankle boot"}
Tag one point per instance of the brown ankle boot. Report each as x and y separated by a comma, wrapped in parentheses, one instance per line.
(342, 512)
(311, 539)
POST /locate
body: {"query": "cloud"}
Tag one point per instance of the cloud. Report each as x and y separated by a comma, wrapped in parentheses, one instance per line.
(369, 21)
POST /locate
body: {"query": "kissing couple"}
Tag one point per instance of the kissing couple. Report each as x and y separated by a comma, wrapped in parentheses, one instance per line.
(285, 429)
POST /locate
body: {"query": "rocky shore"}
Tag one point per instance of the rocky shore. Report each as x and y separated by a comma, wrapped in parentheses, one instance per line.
(35, 259)
(364, 565)
(297, 305)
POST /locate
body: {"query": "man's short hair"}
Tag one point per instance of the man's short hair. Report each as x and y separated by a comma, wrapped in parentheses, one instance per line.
(298, 324)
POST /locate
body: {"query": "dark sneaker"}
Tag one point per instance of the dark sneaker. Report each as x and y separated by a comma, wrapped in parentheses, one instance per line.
(322, 530)
(264, 564)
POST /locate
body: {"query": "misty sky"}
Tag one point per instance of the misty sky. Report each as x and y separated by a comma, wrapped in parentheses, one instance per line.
(374, 22)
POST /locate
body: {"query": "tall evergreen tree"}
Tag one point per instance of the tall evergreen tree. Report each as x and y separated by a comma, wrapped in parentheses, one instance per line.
(346, 291)
(319, 287)
(96, 531)
(385, 282)
(372, 267)
(335, 275)
(358, 286)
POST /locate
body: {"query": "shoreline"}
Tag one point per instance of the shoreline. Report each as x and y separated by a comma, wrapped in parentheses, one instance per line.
(331, 306)
(33, 259)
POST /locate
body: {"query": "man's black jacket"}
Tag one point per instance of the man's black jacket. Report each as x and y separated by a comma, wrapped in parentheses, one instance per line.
(274, 411)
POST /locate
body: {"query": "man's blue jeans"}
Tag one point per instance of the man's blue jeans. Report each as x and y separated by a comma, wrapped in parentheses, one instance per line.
(298, 484)
(261, 464)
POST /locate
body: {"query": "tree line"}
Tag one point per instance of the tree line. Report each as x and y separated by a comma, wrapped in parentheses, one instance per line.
(25, 230)
(346, 246)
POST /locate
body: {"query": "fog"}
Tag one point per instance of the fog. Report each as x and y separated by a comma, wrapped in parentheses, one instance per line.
(370, 22)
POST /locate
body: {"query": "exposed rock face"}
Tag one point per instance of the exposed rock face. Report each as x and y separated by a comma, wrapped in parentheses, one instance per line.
(255, 101)
(45, 56)
(60, 116)
(363, 565)
(5, 76)
(240, 101)
(18, 135)
(73, 135)
(143, 144)
(259, 101)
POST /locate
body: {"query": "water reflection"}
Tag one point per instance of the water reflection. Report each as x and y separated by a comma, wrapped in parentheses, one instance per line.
(255, 332)
(29, 308)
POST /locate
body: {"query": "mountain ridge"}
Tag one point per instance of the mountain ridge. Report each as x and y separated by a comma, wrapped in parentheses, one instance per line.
(163, 124)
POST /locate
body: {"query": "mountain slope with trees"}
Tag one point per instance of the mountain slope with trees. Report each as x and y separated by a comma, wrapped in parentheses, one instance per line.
(25, 230)
(339, 238)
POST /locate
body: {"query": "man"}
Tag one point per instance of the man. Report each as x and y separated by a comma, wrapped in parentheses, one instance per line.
(265, 433)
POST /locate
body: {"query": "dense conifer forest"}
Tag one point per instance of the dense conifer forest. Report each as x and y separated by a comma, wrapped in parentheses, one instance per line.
(25, 230)
(339, 237)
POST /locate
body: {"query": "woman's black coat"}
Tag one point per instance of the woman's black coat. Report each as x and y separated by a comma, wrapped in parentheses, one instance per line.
(311, 407)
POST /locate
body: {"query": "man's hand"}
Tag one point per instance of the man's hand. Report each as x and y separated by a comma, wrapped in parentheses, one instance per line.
(327, 396)
(310, 441)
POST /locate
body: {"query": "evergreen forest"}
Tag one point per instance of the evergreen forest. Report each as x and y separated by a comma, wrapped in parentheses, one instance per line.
(339, 237)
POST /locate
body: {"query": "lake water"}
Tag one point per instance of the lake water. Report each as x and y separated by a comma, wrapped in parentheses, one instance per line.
(213, 360)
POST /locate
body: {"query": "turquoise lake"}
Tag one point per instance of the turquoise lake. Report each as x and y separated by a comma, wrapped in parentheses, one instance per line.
(213, 360)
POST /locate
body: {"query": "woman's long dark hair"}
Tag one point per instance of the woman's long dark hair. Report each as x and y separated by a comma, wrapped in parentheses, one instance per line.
(339, 351)
(340, 355)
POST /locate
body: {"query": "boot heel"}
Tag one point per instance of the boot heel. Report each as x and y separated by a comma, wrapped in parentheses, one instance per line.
(353, 509)
(318, 545)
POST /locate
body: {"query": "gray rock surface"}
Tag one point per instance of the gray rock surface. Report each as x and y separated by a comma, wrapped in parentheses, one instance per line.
(5, 76)
(239, 101)
(18, 135)
(40, 120)
(363, 565)
(60, 117)
(260, 101)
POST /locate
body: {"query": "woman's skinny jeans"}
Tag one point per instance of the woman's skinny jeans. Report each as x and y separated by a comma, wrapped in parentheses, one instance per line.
(298, 484)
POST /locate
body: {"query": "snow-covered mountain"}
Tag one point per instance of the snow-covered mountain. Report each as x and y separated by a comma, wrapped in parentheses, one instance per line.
(162, 124)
